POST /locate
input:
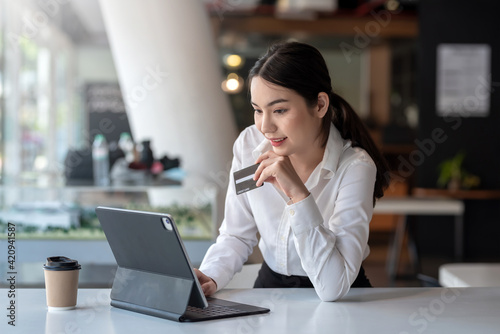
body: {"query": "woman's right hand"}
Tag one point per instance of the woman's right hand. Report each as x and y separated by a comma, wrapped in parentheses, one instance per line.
(278, 170)
(208, 285)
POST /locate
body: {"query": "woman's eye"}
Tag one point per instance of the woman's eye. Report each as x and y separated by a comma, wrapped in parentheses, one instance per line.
(257, 111)
(280, 111)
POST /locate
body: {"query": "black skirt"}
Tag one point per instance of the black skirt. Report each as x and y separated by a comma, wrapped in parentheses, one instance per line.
(267, 278)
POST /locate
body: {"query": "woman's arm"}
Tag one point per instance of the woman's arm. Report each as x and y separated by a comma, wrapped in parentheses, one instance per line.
(238, 232)
(332, 248)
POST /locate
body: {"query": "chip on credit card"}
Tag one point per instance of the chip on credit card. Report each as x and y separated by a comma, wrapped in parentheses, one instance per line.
(243, 179)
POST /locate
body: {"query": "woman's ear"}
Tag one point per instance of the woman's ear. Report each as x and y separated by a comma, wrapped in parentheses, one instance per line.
(323, 104)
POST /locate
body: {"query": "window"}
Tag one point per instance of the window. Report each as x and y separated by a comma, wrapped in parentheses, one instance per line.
(38, 113)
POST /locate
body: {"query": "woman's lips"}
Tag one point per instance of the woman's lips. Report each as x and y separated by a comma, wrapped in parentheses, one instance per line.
(277, 141)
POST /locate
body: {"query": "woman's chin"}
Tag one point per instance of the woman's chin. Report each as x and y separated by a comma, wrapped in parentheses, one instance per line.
(281, 151)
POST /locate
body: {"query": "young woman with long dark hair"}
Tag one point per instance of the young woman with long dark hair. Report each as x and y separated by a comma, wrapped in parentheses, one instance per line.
(321, 172)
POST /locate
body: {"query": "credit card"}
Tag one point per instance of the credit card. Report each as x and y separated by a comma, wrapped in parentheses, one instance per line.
(243, 179)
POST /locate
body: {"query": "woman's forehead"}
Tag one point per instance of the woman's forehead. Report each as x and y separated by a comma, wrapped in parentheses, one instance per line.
(262, 89)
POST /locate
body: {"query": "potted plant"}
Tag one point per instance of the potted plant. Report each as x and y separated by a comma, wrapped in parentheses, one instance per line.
(453, 176)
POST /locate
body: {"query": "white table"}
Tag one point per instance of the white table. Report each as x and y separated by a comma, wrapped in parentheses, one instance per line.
(363, 310)
(470, 275)
(415, 206)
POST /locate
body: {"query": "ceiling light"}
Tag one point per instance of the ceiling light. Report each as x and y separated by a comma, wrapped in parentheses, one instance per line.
(233, 61)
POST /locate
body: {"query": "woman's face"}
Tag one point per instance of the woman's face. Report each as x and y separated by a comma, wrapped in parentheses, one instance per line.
(284, 118)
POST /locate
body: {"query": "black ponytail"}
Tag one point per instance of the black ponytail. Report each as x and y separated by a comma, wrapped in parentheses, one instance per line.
(351, 127)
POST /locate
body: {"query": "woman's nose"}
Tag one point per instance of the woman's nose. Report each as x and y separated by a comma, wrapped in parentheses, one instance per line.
(268, 125)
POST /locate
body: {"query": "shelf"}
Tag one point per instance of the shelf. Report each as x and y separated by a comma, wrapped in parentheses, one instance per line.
(395, 149)
(342, 25)
(459, 194)
(69, 212)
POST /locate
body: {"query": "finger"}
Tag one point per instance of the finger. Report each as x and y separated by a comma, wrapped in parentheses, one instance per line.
(209, 288)
(262, 157)
(262, 167)
(206, 288)
(259, 170)
(265, 159)
(266, 155)
(267, 175)
(202, 278)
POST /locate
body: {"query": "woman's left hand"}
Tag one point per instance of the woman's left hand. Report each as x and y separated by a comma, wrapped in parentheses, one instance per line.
(278, 170)
(208, 285)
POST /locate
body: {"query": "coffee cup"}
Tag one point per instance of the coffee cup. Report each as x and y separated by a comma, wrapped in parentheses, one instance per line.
(61, 282)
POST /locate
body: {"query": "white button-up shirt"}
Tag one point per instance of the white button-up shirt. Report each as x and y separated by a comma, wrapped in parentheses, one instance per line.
(324, 236)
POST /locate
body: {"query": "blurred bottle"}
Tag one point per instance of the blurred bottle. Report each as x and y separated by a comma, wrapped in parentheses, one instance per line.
(147, 155)
(127, 146)
(100, 159)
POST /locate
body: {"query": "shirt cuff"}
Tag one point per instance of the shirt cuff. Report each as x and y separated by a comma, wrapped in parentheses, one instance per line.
(220, 280)
(304, 215)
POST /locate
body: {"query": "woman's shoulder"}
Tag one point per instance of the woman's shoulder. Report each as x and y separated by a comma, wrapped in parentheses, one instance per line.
(353, 155)
(343, 154)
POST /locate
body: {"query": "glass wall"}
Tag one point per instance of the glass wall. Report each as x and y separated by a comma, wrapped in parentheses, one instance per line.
(47, 61)
(38, 110)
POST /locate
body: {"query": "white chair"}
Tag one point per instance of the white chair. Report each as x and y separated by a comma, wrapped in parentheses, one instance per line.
(460, 275)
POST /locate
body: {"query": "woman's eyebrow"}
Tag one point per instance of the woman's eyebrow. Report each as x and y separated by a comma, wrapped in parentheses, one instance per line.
(271, 103)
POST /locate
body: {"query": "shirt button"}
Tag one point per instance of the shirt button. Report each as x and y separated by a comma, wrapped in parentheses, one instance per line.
(292, 212)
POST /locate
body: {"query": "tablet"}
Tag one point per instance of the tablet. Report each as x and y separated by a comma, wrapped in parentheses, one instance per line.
(154, 274)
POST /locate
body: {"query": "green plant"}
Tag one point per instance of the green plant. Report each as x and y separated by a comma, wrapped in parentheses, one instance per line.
(453, 176)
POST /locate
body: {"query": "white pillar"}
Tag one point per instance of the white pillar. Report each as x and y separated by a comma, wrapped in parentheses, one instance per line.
(170, 77)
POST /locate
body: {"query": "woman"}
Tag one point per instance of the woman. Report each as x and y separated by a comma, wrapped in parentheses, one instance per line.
(321, 174)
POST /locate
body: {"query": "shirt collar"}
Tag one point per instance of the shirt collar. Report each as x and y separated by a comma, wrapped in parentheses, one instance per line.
(263, 147)
(334, 148)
